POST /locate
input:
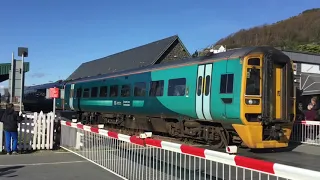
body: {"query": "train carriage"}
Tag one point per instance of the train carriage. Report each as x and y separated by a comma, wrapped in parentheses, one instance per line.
(245, 93)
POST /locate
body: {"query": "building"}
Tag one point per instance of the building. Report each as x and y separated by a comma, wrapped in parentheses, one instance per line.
(161, 51)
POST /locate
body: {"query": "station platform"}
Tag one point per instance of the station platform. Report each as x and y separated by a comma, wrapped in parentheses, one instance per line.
(50, 165)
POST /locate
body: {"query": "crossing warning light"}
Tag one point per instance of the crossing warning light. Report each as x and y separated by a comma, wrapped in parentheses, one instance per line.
(54, 92)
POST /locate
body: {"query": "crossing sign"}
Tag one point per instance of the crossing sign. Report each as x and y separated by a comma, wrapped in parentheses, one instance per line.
(54, 92)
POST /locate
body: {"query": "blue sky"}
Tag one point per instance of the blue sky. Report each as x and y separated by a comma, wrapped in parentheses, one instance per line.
(61, 35)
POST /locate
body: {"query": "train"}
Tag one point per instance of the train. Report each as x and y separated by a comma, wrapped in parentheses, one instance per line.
(34, 97)
(242, 95)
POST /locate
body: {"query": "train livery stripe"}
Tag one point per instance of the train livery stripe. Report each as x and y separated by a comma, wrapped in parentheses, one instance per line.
(276, 169)
(199, 97)
(206, 98)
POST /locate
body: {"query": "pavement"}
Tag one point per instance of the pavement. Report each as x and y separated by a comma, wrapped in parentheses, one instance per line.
(50, 165)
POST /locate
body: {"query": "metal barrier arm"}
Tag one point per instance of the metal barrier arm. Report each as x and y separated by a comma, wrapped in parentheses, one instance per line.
(275, 169)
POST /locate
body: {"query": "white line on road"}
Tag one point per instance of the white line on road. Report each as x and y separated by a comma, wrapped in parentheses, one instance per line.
(40, 164)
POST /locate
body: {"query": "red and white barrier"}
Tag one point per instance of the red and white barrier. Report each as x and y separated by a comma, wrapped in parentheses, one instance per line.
(265, 167)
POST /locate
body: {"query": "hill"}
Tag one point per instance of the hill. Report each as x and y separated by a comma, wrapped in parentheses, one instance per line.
(298, 33)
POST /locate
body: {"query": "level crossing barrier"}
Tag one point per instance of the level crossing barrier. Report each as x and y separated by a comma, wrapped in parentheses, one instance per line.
(132, 157)
(35, 132)
(306, 132)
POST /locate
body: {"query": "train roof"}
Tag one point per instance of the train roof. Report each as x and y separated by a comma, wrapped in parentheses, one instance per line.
(230, 54)
(44, 86)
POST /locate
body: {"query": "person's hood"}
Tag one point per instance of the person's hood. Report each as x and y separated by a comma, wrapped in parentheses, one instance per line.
(9, 111)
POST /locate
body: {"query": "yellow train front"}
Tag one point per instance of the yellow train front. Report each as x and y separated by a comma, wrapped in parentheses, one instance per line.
(267, 102)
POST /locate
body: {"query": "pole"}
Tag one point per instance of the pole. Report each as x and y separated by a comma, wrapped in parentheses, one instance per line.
(12, 78)
(22, 77)
(54, 109)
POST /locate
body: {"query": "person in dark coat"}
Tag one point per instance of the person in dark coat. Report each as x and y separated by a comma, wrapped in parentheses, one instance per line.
(10, 120)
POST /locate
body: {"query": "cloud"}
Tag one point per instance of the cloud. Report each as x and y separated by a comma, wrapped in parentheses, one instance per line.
(38, 75)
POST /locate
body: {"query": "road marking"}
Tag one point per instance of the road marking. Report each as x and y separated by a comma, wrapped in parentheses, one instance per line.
(105, 168)
(40, 164)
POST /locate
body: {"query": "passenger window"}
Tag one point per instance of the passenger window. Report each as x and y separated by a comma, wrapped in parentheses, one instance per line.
(140, 89)
(177, 87)
(103, 91)
(254, 62)
(114, 91)
(199, 87)
(86, 93)
(208, 82)
(94, 92)
(125, 91)
(226, 84)
(156, 88)
(79, 91)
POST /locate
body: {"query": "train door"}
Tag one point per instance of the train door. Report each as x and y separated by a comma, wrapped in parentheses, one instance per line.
(71, 97)
(203, 91)
(278, 81)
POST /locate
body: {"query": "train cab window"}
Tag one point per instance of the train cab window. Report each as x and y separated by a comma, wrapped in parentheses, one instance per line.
(79, 92)
(86, 93)
(125, 90)
(156, 88)
(253, 82)
(226, 84)
(254, 62)
(140, 89)
(114, 91)
(177, 87)
(103, 91)
(94, 92)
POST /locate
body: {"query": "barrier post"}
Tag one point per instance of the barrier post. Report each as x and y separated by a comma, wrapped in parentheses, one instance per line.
(1, 136)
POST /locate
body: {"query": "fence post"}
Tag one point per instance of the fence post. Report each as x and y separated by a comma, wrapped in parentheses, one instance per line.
(1, 136)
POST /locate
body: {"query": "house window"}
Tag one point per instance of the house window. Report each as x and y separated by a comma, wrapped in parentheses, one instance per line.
(103, 91)
(140, 89)
(226, 84)
(94, 92)
(156, 88)
(177, 87)
(125, 91)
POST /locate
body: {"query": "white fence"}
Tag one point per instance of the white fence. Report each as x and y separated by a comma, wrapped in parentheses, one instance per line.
(35, 132)
(306, 132)
(133, 158)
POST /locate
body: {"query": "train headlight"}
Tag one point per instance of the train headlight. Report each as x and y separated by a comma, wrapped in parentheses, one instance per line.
(252, 101)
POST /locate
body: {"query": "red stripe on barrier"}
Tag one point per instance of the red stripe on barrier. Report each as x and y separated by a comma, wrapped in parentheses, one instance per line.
(135, 140)
(255, 164)
(79, 126)
(154, 142)
(95, 130)
(113, 134)
(68, 123)
(192, 150)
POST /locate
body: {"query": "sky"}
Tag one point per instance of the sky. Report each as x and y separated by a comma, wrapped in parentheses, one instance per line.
(61, 34)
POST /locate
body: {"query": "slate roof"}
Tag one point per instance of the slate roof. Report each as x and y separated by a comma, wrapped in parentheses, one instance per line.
(303, 57)
(144, 55)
